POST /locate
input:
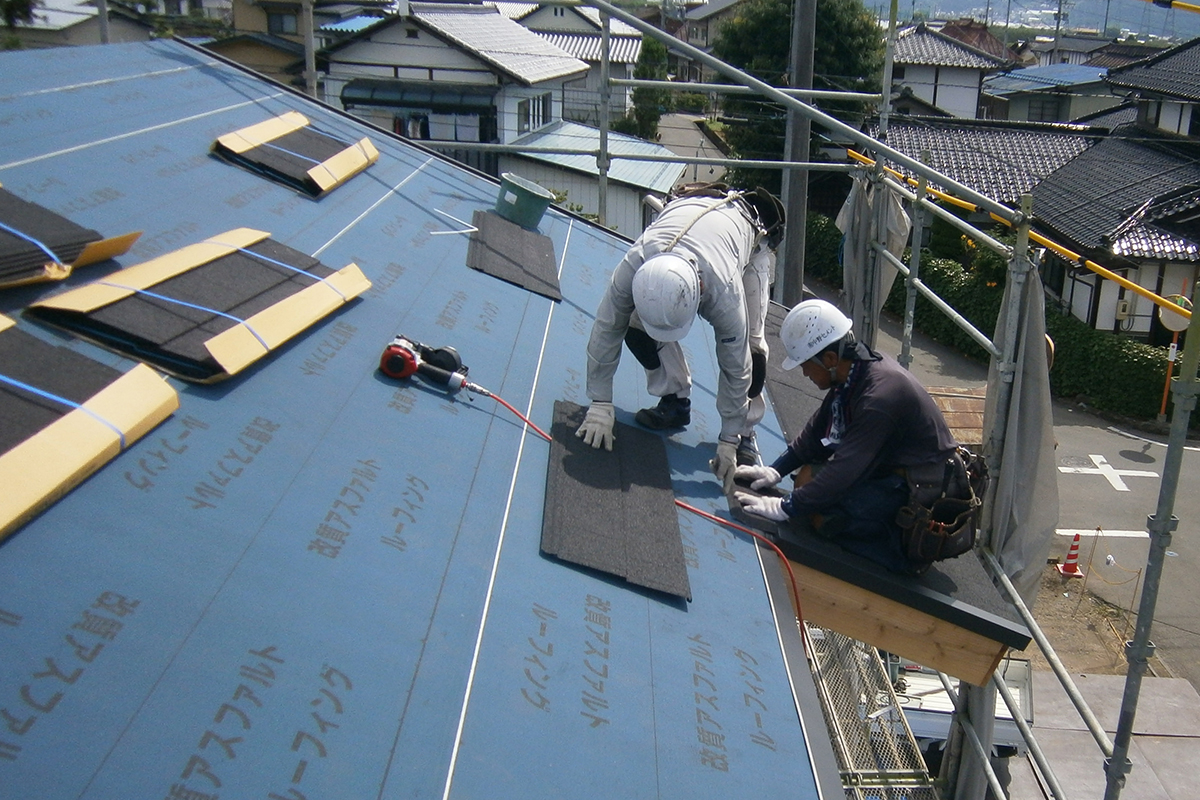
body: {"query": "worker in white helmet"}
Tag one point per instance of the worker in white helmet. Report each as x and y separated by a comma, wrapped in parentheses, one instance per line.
(876, 431)
(710, 255)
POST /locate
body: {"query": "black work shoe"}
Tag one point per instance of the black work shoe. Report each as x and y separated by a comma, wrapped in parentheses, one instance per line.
(747, 452)
(671, 412)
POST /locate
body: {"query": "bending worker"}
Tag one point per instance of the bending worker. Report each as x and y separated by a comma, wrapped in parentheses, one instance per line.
(709, 254)
(876, 431)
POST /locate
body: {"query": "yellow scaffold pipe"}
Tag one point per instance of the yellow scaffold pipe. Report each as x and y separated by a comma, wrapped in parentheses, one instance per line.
(1175, 4)
(1042, 240)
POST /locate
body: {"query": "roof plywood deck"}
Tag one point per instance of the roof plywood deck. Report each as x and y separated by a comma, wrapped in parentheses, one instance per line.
(315, 581)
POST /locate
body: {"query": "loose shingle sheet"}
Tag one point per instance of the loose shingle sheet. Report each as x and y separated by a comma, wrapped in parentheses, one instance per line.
(614, 512)
(507, 251)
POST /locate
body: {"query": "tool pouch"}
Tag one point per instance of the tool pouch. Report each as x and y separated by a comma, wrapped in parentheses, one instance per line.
(941, 519)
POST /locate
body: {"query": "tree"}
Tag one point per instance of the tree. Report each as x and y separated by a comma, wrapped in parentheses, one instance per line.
(15, 11)
(649, 104)
(848, 56)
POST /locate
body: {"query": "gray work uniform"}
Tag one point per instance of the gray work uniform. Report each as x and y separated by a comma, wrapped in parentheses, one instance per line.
(735, 274)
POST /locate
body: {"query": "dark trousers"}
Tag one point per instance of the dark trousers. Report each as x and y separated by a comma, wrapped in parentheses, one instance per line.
(864, 522)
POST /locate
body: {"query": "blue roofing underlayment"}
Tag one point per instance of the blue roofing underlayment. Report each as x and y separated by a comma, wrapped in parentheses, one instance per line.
(313, 581)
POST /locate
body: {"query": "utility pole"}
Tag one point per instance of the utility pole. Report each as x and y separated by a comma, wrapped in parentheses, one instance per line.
(789, 286)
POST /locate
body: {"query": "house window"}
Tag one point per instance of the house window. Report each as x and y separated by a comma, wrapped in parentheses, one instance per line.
(898, 72)
(281, 23)
(1045, 109)
(560, 11)
(1194, 122)
(535, 112)
(523, 116)
(411, 33)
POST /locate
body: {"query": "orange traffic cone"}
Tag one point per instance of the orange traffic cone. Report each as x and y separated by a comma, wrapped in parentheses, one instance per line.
(1070, 567)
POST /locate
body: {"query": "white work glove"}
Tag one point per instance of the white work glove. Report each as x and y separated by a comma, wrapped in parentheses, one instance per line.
(767, 507)
(725, 464)
(597, 427)
(760, 477)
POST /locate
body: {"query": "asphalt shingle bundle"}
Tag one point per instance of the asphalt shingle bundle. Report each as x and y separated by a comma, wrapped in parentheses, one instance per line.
(209, 310)
(288, 150)
(507, 251)
(37, 244)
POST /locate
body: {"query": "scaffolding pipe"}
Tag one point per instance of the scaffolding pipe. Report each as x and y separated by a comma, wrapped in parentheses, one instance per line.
(1160, 525)
(973, 738)
(1035, 749)
(832, 123)
(602, 157)
(731, 88)
(1073, 694)
(1037, 238)
(958, 319)
(913, 273)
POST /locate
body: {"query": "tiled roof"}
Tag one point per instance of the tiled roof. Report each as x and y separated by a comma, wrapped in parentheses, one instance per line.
(712, 7)
(1110, 118)
(500, 41)
(999, 159)
(1035, 79)
(352, 25)
(1174, 72)
(1118, 54)
(656, 176)
(1101, 200)
(615, 26)
(586, 46)
(922, 45)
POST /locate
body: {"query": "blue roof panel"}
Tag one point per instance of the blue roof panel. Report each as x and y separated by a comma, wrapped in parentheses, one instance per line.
(316, 581)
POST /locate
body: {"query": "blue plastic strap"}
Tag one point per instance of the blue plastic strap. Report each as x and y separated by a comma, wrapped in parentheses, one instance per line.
(64, 401)
(41, 246)
(282, 264)
(186, 304)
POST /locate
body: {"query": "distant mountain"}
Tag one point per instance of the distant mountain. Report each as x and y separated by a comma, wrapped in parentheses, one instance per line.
(1133, 16)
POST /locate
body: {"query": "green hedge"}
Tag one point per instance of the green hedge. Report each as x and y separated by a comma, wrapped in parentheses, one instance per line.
(1108, 372)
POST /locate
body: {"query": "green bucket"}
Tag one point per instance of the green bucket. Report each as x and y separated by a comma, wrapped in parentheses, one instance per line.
(522, 202)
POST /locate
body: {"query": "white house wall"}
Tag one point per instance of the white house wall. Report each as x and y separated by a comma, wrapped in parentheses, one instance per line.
(952, 89)
(389, 53)
(624, 203)
(544, 19)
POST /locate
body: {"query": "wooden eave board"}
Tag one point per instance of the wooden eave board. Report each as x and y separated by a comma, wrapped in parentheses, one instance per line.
(289, 151)
(246, 305)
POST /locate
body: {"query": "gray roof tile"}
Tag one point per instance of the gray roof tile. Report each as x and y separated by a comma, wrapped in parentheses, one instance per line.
(997, 159)
(586, 46)
(1175, 72)
(500, 41)
(922, 45)
(1099, 201)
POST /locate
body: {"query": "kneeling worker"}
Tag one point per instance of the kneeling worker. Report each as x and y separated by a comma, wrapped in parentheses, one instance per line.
(876, 430)
(705, 254)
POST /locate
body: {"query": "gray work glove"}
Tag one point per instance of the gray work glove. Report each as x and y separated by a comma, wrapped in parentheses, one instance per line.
(725, 464)
(767, 507)
(597, 427)
(760, 477)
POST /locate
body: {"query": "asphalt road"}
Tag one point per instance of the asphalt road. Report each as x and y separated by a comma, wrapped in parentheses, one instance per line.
(1110, 478)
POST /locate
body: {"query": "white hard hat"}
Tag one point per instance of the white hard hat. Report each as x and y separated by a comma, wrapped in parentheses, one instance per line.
(666, 293)
(809, 328)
